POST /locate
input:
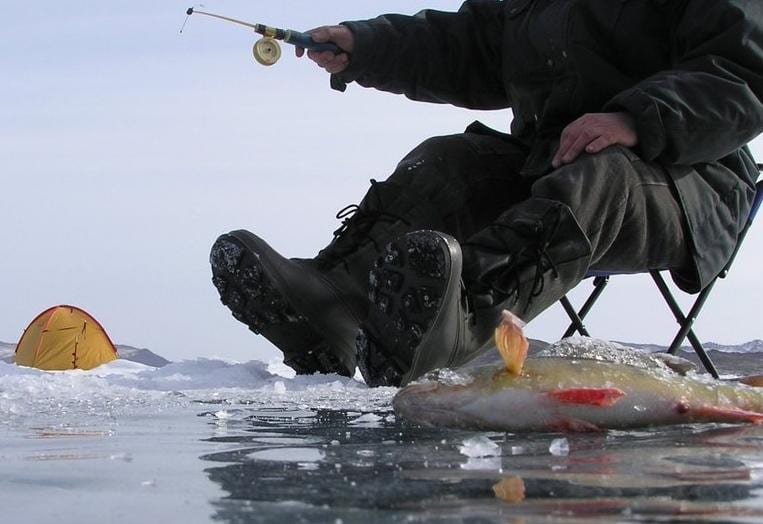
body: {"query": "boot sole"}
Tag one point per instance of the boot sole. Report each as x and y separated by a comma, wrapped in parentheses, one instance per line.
(407, 288)
(249, 292)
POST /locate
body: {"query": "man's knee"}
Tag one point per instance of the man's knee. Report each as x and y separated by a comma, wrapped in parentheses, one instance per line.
(431, 154)
(605, 175)
(437, 168)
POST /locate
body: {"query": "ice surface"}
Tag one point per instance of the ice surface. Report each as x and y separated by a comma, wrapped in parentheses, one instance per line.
(208, 440)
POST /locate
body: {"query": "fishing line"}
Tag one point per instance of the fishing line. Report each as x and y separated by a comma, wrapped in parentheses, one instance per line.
(188, 15)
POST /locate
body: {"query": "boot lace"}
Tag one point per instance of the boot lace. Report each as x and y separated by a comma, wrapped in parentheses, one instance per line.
(354, 230)
(507, 282)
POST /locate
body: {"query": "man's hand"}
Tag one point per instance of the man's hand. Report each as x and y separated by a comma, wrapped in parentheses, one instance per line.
(337, 34)
(593, 132)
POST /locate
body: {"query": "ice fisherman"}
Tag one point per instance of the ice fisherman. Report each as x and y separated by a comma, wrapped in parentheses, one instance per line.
(627, 152)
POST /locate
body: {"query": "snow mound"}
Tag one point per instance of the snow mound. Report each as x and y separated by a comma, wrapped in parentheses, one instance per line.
(123, 387)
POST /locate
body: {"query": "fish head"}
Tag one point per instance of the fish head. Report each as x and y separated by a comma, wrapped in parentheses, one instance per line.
(454, 398)
(434, 396)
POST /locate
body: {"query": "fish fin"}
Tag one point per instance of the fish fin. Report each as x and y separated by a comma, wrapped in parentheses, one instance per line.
(755, 381)
(573, 425)
(511, 342)
(602, 397)
(726, 414)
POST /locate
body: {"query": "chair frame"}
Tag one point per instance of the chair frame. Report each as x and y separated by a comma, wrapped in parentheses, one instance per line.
(685, 321)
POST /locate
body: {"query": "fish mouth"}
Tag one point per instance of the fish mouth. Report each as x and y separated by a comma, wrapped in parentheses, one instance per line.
(429, 403)
(413, 396)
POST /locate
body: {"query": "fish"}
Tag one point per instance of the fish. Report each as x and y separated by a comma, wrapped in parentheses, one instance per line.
(577, 384)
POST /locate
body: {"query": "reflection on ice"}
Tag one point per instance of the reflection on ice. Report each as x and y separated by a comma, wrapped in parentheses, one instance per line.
(483, 463)
(397, 472)
(288, 455)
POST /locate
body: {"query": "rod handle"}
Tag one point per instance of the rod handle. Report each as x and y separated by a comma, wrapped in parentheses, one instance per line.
(306, 41)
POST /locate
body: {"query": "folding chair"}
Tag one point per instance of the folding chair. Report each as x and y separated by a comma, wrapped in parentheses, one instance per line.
(686, 322)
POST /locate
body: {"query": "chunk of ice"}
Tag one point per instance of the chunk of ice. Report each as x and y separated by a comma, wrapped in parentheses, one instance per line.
(480, 446)
(560, 447)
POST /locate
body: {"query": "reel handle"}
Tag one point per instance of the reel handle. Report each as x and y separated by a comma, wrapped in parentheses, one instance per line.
(305, 41)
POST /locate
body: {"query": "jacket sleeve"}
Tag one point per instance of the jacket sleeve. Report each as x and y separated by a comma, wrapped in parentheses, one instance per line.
(433, 56)
(710, 103)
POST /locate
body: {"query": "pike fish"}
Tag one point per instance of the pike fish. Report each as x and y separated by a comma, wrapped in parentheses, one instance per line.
(577, 384)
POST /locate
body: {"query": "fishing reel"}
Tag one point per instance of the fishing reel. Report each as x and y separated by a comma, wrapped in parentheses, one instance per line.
(267, 50)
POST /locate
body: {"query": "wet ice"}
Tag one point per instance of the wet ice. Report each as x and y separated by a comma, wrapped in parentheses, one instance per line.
(210, 440)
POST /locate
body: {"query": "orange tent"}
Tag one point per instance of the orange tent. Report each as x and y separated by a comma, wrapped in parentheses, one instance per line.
(64, 337)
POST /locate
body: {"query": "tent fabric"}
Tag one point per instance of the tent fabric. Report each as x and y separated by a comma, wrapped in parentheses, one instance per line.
(64, 337)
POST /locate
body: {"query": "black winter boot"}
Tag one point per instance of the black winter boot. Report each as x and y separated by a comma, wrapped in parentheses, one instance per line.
(424, 316)
(417, 295)
(311, 308)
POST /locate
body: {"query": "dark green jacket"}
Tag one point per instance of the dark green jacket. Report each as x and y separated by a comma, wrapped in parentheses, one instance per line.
(689, 71)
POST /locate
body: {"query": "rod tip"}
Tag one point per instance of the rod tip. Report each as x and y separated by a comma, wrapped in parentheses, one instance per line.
(189, 12)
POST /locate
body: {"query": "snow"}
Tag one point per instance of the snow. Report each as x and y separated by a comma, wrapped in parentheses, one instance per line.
(123, 387)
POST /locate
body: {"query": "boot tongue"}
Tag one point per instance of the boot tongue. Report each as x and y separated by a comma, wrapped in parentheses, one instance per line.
(387, 211)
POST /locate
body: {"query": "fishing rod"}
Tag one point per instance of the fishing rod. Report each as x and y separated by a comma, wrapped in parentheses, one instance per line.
(266, 50)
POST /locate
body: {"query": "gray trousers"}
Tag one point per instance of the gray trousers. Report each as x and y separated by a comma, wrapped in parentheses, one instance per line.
(626, 207)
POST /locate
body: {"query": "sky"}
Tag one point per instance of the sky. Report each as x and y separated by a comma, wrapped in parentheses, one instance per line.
(126, 148)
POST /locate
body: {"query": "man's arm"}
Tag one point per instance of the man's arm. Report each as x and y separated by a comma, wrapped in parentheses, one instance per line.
(434, 56)
(711, 102)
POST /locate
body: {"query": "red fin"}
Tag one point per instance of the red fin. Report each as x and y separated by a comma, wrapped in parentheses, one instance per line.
(720, 414)
(603, 397)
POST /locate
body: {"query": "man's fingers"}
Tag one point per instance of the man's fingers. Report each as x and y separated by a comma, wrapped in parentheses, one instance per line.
(565, 141)
(339, 64)
(329, 61)
(599, 144)
(577, 147)
(322, 58)
(337, 34)
(299, 51)
(594, 132)
(570, 136)
(320, 34)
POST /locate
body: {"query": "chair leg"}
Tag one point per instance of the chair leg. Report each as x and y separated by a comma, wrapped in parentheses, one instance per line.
(577, 322)
(686, 322)
(599, 283)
